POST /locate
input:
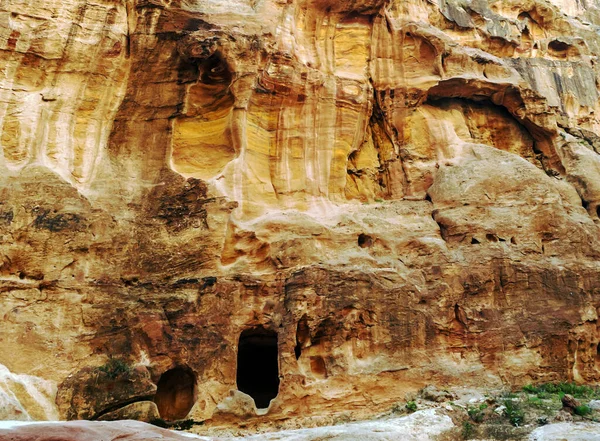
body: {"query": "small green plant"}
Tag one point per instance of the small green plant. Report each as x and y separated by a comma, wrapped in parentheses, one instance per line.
(583, 410)
(467, 431)
(114, 368)
(535, 401)
(477, 413)
(411, 406)
(514, 413)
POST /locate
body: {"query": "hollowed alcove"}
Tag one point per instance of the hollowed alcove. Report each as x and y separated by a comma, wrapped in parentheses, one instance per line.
(175, 394)
(257, 365)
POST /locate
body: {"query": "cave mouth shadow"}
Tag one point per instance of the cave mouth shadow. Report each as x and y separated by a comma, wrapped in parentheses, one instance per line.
(258, 366)
(175, 393)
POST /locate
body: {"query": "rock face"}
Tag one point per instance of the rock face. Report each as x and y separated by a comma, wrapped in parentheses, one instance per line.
(91, 431)
(423, 425)
(379, 194)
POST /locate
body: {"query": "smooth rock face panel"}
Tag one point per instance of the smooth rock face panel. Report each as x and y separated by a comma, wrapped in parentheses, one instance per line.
(405, 192)
(567, 432)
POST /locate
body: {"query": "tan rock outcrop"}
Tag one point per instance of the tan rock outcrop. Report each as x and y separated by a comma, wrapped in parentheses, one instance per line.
(385, 194)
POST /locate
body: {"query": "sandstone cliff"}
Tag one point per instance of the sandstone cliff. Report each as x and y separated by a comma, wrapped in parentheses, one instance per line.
(384, 193)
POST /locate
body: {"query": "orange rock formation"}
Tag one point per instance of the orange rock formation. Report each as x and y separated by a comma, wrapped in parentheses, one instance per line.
(344, 201)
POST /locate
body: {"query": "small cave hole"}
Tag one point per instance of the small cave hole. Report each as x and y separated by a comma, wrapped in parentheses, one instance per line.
(302, 336)
(258, 365)
(175, 393)
(427, 197)
(474, 241)
(491, 237)
(365, 241)
(513, 240)
(214, 70)
(318, 367)
(558, 46)
(598, 210)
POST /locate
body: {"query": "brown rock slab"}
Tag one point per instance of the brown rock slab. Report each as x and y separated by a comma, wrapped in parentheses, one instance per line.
(144, 411)
(570, 403)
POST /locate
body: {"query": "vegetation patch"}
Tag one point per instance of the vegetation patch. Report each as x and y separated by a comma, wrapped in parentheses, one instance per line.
(468, 430)
(114, 368)
(477, 413)
(411, 406)
(561, 389)
(176, 425)
(583, 410)
(514, 413)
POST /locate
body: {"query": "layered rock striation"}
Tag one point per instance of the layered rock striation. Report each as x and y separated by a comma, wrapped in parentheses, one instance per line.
(381, 194)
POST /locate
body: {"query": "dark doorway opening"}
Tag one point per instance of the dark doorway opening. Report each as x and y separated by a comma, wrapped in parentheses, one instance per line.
(175, 393)
(257, 365)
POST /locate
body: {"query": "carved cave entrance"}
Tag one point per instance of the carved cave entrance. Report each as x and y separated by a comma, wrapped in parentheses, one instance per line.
(175, 393)
(257, 365)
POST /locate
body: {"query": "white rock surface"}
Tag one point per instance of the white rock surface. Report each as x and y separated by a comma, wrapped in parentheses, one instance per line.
(567, 432)
(26, 397)
(594, 404)
(420, 426)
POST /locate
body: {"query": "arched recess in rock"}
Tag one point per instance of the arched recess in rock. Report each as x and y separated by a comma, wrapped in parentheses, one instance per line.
(176, 393)
(258, 365)
(201, 144)
(541, 127)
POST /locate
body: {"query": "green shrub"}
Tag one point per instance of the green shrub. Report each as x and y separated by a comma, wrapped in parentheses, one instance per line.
(583, 410)
(578, 391)
(514, 413)
(535, 401)
(477, 413)
(411, 406)
(467, 431)
(115, 368)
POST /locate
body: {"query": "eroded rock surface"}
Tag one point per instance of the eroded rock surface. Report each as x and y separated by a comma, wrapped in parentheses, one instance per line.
(405, 192)
(90, 431)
